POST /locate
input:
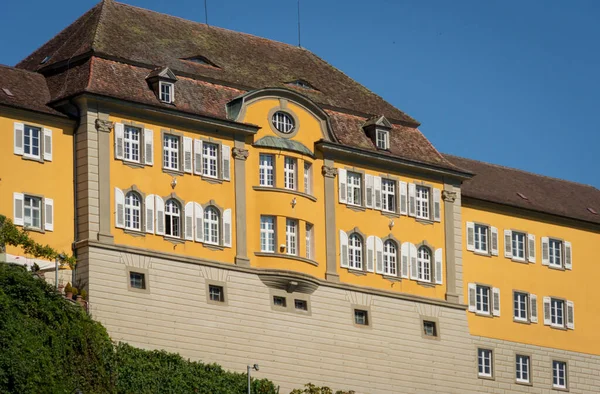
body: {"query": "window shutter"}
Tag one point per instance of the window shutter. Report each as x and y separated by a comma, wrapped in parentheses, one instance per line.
(226, 160)
(531, 247)
(199, 218)
(412, 196)
(403, 198)
(149, 147)
(545, 251)
(47, 145)
(343, 249)
(413, 262)
(533, 310)
(48, 214)
(119, 208)
(119, 140)
(371, 254)
(437, 205)
(568, 255)
(227, 228)
(496, 301)
(377, 189)
(187, 155)
(508, 244)
(494, 242)
(369, 192)
(18, 143)
(470, 236)
(189, 221)
(342, 183)
(159, 207)
(570, 315)
(547, 318)
(404, 259)
(198, 157)
(439, 266)
(18, 204)
(472, 297)
(379, 255)
(150, 213)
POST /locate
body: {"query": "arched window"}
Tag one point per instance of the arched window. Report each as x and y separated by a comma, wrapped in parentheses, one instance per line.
(172, 218)
(390, 252)
(133, 208)
(355, 251)
(211, 226)
(424, 264)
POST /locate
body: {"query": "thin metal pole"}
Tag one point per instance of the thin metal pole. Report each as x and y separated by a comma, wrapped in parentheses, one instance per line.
(56, 273)
(205, 12)
(299, 44)
(249, 380)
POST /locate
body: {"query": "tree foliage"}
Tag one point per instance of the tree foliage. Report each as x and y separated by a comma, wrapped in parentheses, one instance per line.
(310, 388)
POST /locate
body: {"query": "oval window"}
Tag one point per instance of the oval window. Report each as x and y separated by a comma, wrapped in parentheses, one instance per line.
(283, 122)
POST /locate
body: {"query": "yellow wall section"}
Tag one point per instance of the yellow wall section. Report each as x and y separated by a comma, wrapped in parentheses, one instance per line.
(52, 179)
(575, 285)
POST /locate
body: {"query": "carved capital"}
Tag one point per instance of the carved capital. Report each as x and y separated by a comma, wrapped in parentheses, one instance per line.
(104, 125)
(329, 172)
(240, 153)
(448, 196)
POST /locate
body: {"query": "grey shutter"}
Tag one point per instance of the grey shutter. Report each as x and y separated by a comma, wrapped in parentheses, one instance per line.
(531, 247)
(18, 216)
(119, 208)
(545, 251)
(48, 214)
(199, 218)
(377, 189)
(437, 205)
(379, 255)
(227, 228)
(159, 207)
(496, 301)
(149, 147)
(570, 315)
(494, 243)
(342, 185)
(403, 198)
(47, 145)
(412, 196)
(369, 192)
(150, 213)
(19, 130)
(439, 264)
(187, 154)
(470, 236)
(472, 297)
(508, 244)
(343, 249)
(413, 262)
(371, 253)
(198, 157)
(568, 255)
(225, 162)
(404, 256)
(533, 310)
(189, 221)
(547, 317)
(119, 140)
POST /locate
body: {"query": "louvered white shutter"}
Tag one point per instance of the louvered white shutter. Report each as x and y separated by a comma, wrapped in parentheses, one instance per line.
(414, 274)
(227, 228)
(187, 155)
(369, 192)
(412, 199)
(533, 308)
(494, 241)
(472, 297)
(404, 260)
(226, 160)
(150, 213)
(531, 248)
(568, 256)
(19, 130)
(48, 214)
(149, 147)
(439, 266)
(545, 251)
(199, 219)
(496, 301)
(437, 205)
(47, 145)
(377, 189)
(159, 208)
(379, 255)
(119, 208)
(343, 187)
(508, 244)
(371, 253)
(198, 157)
(403, 198)
(119, 140)
(547, 317)
(570, 315)
(18, 201)
(343, 249)
(470, 236)
(189, 221)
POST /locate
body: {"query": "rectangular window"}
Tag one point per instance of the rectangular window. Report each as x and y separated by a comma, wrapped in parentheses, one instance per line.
(483, 299)
(361, 317)
(557, 312)
(388, 190)
(522, 368)
(559, 374)
(32, 212)
(309, 241)
(354, 188)
(301, 305)
(210, 158)
(383, 139)
(518, 245)
(481, 238)
(216, 293)
(131, 144)
(137, 280)
(484, 362)
(279, 301)
(521, 300)
(267, 234)
(555, 252)
(166, 92)
(171, 152)
(429, 328)
(289, 173)
(291, 239)
(422, 201)
(31, 141)
(265, 172)
(307, 178)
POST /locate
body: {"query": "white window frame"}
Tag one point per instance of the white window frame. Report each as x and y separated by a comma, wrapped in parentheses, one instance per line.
(481, 238)
(355, 251)
(171, 150)
(354, 188)
(133, 211)
(308, 178)
(390, 258)
(132, 140)
(290, 168)
(522, 368)
(382, 139)
(518, 246)
(558, 367)
(168, 94)
(291, 236)
(555, 252)
(173, 218)
(388, 195)
(33, 204)
(212, 225)
(520, 306)
(557, 312)
(485, 360)
(27, 129)
(266, 170)
(422, 201)
(424, 264)
(210, 160)
(267, 234)
(483, 299)
(283, 122)
(309, 236)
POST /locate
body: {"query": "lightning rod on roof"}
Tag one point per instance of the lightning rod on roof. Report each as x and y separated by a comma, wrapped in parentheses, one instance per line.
(205, 12)
(299, 24)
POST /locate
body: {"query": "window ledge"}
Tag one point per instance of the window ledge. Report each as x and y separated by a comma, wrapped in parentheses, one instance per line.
(355, 271)
(392, 278)
(424, 221)
(520, 261)
(523, 383)
(391, 215)
(356, 208)
(527, 322)
(278, 189)
(484, 314)
(172, 172)
(287, 256)
(554, 267)
(36, 159)
(215, 181)
(135, 233)
(133, 164)
(560, 389)
(425, 284)
(560, 328)
(213, 246)
(486, 377)
(173, 240)
(483, 254)
(33, 229)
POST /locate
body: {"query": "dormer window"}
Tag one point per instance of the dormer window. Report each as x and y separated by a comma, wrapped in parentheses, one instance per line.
(166, 92)
(382, 139)
(300, 83)
(200, 60)
(378, 130)
(162, 81)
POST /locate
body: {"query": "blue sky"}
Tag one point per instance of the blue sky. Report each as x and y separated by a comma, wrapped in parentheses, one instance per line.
(509, 82)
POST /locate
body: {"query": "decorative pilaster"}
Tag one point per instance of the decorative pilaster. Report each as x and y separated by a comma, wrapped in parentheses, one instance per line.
(104, 127)
(240, 154)
(453, 237)
(329, 174)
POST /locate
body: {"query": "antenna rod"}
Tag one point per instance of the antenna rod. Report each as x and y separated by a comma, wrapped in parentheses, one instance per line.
(205, 12)
(299, 24)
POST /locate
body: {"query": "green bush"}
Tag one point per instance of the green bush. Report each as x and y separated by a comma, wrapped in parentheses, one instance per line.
(310, 388)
